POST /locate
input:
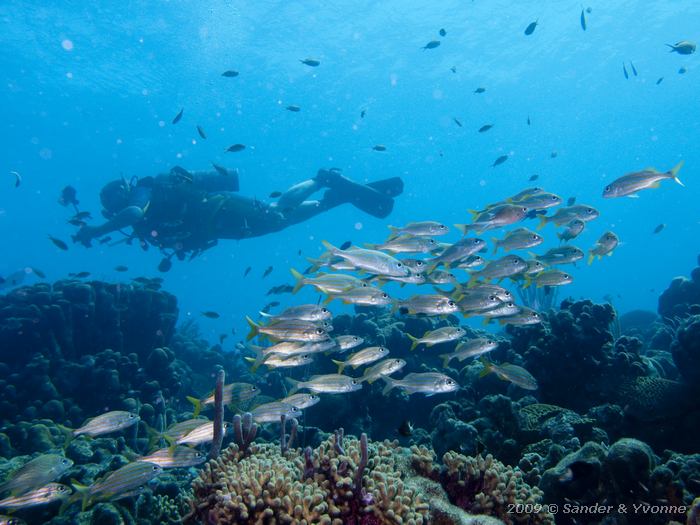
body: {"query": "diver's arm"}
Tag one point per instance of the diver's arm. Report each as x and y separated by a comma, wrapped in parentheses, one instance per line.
(125, 218)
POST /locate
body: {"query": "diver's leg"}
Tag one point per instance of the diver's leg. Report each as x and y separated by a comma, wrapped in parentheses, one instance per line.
(374, 198)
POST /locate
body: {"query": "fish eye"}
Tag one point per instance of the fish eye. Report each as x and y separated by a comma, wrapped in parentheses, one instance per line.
(524, 209)
(451, 303)
(198, 454)
(156, 468)
(554, 197)
(354, 382)
(535, 237)
(254, 388)
(607, 188)
(132, 416)
(399, 265)
(324, 310)
(355, 338)
(385, 296)
(419, 263)
(319, 331)
(432, 241)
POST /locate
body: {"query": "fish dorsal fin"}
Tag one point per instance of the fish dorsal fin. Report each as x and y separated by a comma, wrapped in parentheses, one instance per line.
(652, 169)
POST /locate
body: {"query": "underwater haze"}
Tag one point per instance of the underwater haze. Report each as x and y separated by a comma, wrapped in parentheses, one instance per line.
(469, 103)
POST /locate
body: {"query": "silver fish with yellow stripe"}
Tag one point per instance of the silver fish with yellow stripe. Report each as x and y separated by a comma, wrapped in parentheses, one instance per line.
(107, 423)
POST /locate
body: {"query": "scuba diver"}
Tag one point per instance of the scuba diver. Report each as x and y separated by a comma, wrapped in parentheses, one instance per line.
(183, 212)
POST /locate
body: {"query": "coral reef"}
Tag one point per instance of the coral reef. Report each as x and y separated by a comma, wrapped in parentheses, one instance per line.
(399, 486)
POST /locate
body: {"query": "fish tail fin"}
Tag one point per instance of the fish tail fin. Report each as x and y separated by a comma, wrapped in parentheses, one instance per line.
(495, 244)
(254, 362)
(328, 299)
(196, 403)
(591, 258)
(371, 245)
(464, 228)
(254, 328)
(315, 264)
(472, 280)
(293, 385)
(473, 213)
(560, 236)
(331, 249)
(673, 48)
(488, 367)
(394, 233)
(340, 365)
(414, 342)
(430, 269)
(543, 222)
(445, 359)
(528, 282)
(389, 385)
(299, 280)
(674, 173)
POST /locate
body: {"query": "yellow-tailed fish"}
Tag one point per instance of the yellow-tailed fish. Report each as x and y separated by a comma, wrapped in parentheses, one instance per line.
(326, 384)
(348, 342)
(365, 296)
(441, 277)
(573, 230)
(471, 348)
(233, 394)
(628, 185)
(107, 423)
(498, 269)
(41, 496)
(496, 217)
(526, 316)
(604, 246)
(178, 457)
(36, 473)
(203, 433)
(419, 229)
(518, 239)
(512, 373)
(288, 330)
(457, 252)
(428, 383)
(562, 255)
(443, 334)
(302, 312)
(381, 369)
(301, 401)
(363, 357)
(567, 214)
(406, 244)
(279, 361)
(272, 412)
(549, 278)
(428, 304)
(122, 480)
(540, 201)
(372, 261)
(327, 283)
(178, 430)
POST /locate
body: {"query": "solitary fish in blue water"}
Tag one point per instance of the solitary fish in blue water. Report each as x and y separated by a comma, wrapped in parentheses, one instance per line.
(485, 128)
(634, 69)
(312, 62)
(431, 45)
(628, 185)
(603, 246)
(500, 160)
(231, 73)
(293, 108)
(201, 132)
(178, 116)
(583, 19)
(236, 148)
(531, 27)
(684, 47)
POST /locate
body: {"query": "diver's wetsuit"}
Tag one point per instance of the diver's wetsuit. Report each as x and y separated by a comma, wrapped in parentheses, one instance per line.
(189, 212)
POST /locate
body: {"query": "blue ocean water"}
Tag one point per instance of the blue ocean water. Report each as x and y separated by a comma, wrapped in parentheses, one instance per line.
(90, 92)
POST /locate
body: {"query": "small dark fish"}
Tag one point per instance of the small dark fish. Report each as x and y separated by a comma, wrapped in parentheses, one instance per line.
(571, 201)
(659, 228)
(431, 45)
(293, 108)
(82, 215)
(661, 79)
(58, 243)
(553, 155)
(280, 289)
(457, 122)
(200, 130)
(346, 245)
(379, 147)
(363, 113)
(165, 265)
(247, 271)
(236, 148)
(589, 10)
(121, 268)
(634, 69)
(528, 120)
(310, 62)
(405, 429)
(267, 271)
(231, 73)
(82, 275)
(275, 194)
(500, 160)
(211, 315)
(105, 240)
(533, 177)
(68, 196)
(624, 70)
(299, 252)
(39, 273)
(485, 128)
(266, 309)
(222, 337)
(442, 32)
(583, 19)
(453, 69)
(18, 178)
(220, 169)
(77, 222)
(531, 28)
(480, 90)
(178, 117)
(683, 70)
